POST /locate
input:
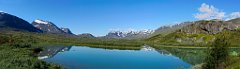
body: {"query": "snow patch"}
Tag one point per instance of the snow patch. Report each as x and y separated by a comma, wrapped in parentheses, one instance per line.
(41, 22)
(2, 12)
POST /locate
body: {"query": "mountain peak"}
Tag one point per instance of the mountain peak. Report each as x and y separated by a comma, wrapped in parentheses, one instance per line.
(2, 12)
(47, 26)
(50, 27)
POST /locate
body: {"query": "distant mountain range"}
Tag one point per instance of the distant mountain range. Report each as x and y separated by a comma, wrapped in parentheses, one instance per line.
(129, 34)
(12, 22)
(86, 35)
(191, 32)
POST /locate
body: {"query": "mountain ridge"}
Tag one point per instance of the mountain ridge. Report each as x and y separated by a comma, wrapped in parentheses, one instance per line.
(200, 32)
(49, 27)
(11, 22)
(129, 34)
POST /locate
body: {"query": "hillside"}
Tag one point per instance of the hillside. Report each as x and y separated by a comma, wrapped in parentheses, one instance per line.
(165, 30)
(199, 33)
(11, 22)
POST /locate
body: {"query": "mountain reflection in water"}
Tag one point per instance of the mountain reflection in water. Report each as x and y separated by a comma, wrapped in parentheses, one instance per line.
(75, 57)
(51, 51)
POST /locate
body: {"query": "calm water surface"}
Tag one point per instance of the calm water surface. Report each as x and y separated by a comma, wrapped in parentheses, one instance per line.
(79, 57)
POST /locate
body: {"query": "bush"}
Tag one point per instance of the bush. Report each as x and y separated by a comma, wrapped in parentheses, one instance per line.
(3, 39)
(17, 40)
(217, 53)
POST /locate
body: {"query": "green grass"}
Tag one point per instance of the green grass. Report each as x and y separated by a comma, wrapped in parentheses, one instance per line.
(22, 58)
(54, 39)
(17, 52)
(195, 40)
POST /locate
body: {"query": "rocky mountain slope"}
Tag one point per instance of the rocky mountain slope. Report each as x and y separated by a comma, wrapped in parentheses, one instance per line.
(49, 27)
(208, 27)
(66, 30)
(86, 35)
(198, 33)
(11, 22)
(165, 30)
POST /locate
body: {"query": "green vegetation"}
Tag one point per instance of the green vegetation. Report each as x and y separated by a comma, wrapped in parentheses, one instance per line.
(40, 39)
(195, 40)
(17, 52)
(181, 39)
(189, 55)
(217, 54)
(22, 58)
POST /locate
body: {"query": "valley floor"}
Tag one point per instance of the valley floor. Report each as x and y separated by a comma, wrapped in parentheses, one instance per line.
(19, 50)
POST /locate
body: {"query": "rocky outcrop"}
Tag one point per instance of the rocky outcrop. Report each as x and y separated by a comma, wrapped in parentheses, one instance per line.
(198, 32)
(49, 27)
(208, 27)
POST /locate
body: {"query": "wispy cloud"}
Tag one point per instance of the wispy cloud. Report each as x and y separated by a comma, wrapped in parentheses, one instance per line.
(208, 12)
(233, 15)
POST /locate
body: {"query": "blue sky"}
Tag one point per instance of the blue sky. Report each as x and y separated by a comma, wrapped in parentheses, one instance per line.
(100, 16)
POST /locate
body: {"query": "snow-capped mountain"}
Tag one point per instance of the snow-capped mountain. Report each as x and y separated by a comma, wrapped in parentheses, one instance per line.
(49, 27)
(129, 34)
(66, 30)
(11, 22)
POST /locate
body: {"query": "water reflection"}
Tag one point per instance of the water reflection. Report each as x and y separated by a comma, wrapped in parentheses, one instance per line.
(192, 56)
(50, 51)
(147, 48)
(75, 57)
(188, 55)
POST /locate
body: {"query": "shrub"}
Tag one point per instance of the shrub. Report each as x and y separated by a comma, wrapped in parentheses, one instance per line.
(217, 53)
(3, 39)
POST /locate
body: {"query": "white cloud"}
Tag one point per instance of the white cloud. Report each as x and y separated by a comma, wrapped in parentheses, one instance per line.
(233, 15)
(207, 12)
